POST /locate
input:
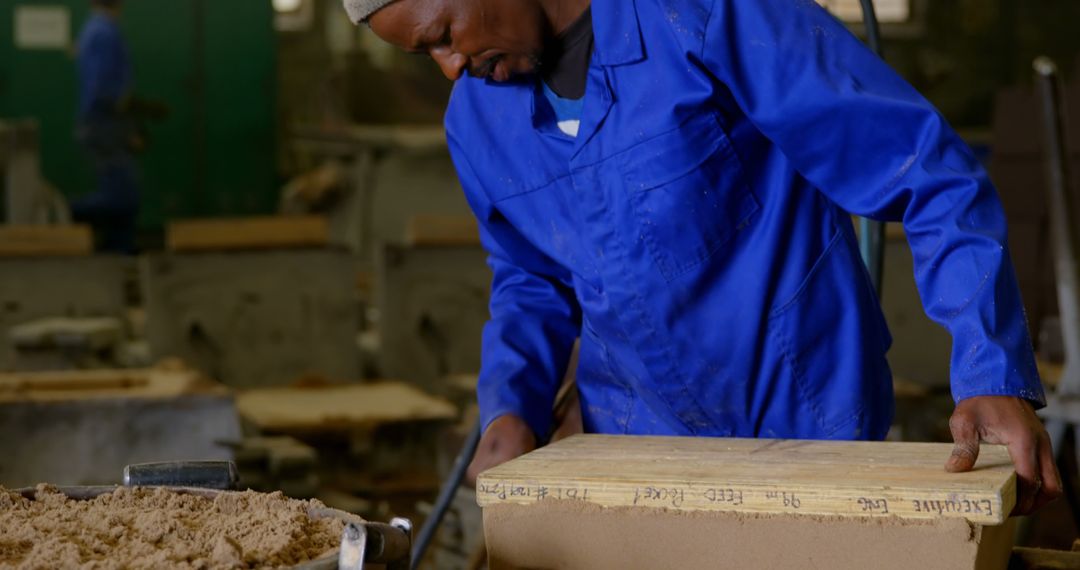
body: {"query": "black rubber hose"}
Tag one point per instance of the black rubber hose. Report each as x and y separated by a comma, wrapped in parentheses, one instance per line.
(872, 233)
(873, 30)
(446, 496)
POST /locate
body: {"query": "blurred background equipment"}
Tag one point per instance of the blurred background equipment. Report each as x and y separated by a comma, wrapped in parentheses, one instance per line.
(432, 298)
(72, 428)
(58, 302)
(27, 198)
(255, 302)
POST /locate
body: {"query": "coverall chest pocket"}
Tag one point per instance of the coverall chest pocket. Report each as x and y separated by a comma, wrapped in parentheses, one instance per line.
(688, 193)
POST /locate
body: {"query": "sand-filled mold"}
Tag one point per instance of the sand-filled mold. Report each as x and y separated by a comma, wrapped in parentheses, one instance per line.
(159, 528)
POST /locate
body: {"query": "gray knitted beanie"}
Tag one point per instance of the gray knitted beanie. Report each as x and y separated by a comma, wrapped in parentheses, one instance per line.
(360, 10)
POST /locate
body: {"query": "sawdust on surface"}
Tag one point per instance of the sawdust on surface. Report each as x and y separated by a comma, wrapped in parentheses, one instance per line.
(570, 535)
(136, 528)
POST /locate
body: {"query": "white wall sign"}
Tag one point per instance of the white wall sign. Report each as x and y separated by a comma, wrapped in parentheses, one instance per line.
(888, 11)
(42, 27)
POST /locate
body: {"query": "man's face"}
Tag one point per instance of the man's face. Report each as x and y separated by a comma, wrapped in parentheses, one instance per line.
(489, 38)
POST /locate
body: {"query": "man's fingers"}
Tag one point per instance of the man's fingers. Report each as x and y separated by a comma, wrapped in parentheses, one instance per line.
(504, 439)
(1012, 422)
(1023, 450)
(1051, 479)
(966, 450)
(471, 474)
(479, 463)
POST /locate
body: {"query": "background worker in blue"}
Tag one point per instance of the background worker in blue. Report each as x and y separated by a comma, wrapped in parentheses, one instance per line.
(688, 219)
(107, 130)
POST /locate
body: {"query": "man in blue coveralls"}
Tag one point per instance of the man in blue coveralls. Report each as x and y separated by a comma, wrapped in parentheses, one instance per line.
(671, 181)
(106, 129)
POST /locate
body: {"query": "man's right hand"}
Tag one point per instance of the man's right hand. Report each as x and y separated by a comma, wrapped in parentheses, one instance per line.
(506, 438)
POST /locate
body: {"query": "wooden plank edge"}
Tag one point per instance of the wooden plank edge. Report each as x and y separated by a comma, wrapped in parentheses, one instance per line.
(238, 247)
(980, 508)
(336, 424)
(239, 234)
(25, 240)
(442, 230)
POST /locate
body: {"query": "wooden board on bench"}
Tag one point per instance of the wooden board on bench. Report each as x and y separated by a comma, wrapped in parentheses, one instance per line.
(239, 234)
(45, 240)
(328, 408)
(71, 385)
(830, 478)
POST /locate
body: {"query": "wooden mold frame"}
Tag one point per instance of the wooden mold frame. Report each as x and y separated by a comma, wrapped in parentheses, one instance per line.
(800, 477)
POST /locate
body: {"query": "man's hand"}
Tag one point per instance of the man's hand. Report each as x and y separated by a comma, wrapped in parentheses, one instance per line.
(1012, 422)
(506, 438)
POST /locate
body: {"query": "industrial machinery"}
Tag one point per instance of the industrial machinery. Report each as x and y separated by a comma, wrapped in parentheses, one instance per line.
(25, 198)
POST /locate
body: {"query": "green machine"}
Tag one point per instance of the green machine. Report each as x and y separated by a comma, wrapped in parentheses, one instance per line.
(212, 63)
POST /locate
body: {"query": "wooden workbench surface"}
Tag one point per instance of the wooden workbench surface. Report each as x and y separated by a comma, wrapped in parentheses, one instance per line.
(45, 240)
(239, 234)
(63, 386)
(339, 407)
(905, 480)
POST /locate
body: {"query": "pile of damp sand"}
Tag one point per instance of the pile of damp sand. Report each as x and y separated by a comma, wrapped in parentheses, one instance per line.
(155, 528)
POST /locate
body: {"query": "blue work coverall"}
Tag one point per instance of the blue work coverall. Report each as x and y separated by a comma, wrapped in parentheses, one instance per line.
(105, 133)
(696, 234)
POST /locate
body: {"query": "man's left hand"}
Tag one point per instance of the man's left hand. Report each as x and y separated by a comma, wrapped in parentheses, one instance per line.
(1011, 422)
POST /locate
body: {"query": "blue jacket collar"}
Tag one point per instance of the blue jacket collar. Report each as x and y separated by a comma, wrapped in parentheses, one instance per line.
(617, 32)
